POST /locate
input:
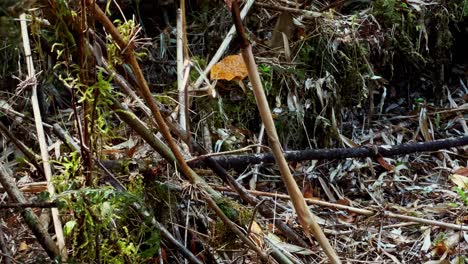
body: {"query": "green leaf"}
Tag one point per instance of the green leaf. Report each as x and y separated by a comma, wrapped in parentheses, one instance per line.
(69, 227)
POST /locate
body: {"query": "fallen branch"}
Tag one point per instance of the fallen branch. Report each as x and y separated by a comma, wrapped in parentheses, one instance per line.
(31, 156)
(360, 211)
(30, 218)
(240, 161)
(28, 205)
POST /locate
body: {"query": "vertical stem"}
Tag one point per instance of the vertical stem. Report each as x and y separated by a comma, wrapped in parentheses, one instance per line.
(180, 72)
(306, 218)
(41, 135)
(88, 107)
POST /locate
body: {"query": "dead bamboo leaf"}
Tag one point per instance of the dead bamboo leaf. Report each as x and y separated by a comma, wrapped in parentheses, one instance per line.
(425, 125)
(284, 25)
(257, 234)
(460, 180)
(426, 241)
(462, 171)
(288, 247)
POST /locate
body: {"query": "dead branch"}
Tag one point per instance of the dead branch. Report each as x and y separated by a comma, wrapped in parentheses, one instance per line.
(31, 156)
(28, 205)
(30, 218)
(241, 161)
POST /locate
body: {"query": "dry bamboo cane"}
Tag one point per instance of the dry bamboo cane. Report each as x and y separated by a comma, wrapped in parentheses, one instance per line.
(41, 136)
(305, 216)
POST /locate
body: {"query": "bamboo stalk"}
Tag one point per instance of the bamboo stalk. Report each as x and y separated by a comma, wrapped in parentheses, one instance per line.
(41, 136)
(305, 216)
(180, 72)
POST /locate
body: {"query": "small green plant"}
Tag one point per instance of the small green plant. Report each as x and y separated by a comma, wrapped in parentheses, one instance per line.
(266, 75)
(441, 237)
(393, 12)
(127, 30)
(70, 177)
(98, 95)
(462, 194)
(199, 64)
(99, 230)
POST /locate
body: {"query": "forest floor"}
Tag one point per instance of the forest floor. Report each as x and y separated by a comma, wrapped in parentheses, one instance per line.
(369, 98)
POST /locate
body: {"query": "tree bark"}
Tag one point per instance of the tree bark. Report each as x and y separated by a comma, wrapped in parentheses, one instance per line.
(241, 161)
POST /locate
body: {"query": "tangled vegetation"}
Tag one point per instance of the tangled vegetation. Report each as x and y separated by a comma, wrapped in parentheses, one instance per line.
(335, 73)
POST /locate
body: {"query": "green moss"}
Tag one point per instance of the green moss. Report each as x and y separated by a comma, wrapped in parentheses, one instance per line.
(393, 13)
(234, 211)
(161, 199)
(224, 237)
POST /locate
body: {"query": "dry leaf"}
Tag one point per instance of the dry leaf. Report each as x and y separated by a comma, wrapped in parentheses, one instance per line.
(425, 125)
(284, 29)
(427, 242)
(230, 68)
(443, 261)
(348, 142)
(441, 248)
(256, 234)
(288, 247)
(462, 171)
(348, 218)
(460, 180)
(23, 246)
(308, 192)
(385, 164)
(343, 202)
(131, 151)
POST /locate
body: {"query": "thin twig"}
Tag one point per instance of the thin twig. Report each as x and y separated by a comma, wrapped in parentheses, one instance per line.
(360, 211)
(244, 149)
(306, 13)
(4, 248)
(31, 156)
